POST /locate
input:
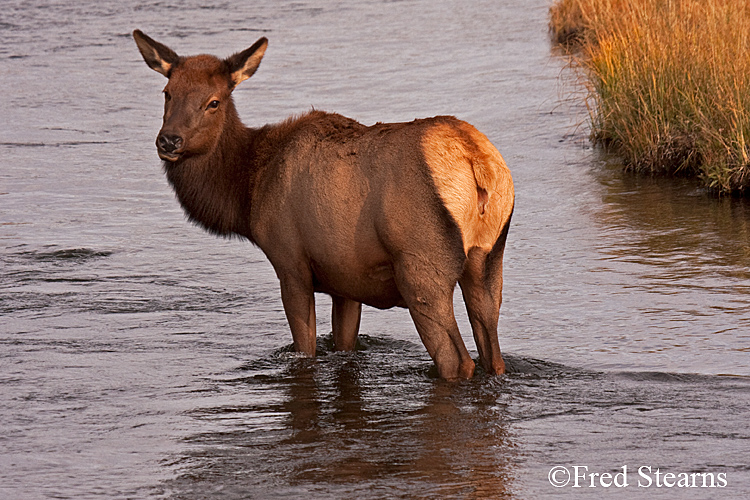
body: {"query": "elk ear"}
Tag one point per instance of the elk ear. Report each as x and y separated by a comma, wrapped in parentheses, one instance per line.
(159, 57)
(243, 64)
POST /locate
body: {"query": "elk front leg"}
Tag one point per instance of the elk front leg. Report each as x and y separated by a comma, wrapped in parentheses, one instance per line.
(345, 323)
(299, 305)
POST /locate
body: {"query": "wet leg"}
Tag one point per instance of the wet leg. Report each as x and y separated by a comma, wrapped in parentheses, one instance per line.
(299, 305)
(430, 304)
(345, 322)
(482, 292)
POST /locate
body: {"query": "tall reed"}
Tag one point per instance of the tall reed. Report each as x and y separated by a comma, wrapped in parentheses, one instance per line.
(669, 82)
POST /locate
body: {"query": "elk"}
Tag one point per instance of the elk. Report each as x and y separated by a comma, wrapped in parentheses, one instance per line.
(393, 214)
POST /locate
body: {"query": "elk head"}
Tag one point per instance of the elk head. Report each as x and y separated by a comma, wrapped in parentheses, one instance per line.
(198, 95)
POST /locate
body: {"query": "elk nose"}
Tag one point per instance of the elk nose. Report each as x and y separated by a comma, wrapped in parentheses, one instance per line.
(168, 143)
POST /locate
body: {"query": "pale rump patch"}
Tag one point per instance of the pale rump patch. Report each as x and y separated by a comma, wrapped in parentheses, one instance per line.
(472, 179)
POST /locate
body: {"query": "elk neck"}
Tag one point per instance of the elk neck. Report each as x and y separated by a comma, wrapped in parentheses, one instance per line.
(214, 188)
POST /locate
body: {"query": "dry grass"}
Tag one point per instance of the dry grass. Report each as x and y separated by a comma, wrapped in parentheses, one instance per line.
(669, 82)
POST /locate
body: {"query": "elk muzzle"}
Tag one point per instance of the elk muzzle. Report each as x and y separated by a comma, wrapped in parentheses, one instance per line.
(169, 146)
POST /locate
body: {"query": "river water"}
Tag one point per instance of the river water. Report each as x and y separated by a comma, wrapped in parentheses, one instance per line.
(143, 358)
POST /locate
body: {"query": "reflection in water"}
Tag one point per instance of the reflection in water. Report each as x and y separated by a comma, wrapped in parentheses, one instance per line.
(374, 424)
(346, 427)
(670, 222)
(687, 253)
(652, 274)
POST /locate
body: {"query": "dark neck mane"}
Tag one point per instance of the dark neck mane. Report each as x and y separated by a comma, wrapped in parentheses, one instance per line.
(214, 188)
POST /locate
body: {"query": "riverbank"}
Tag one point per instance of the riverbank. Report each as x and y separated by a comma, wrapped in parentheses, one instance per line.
(668, 83)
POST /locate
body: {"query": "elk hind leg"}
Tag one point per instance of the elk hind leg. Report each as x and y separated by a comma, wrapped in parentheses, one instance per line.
(440, 335)
(430, 303)
(482, 286)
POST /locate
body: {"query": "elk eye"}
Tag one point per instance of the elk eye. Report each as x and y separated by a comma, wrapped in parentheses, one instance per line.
(213, 105)
(167, 96)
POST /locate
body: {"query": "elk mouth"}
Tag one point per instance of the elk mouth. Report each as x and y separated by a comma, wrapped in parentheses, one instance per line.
(170, 157)
(170, 146)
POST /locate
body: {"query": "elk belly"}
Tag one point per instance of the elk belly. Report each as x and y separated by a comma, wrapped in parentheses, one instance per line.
(372, 285)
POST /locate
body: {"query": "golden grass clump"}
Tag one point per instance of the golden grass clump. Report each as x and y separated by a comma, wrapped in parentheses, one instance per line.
(669, 82)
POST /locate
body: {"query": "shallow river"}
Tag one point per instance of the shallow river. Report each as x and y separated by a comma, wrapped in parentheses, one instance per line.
(141, 357)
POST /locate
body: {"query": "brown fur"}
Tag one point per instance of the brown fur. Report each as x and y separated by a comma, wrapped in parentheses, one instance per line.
(388, 215)
(472, 179)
